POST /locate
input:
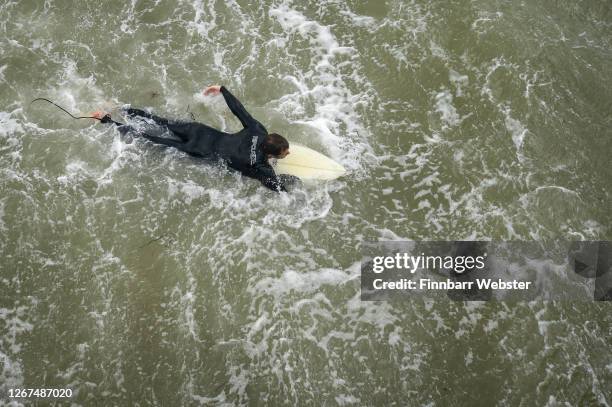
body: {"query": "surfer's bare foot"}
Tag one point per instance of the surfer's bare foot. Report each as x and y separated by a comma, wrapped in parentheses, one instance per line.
(212, 90)
(99, 114)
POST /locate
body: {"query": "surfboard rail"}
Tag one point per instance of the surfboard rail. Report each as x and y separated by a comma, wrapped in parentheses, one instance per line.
(308, 164)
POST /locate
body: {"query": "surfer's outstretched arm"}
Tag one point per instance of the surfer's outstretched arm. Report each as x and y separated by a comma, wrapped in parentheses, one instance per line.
(234, 105)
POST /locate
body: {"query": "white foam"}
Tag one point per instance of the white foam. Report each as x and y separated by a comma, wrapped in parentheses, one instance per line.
(9, 125)
(300, 281)
(360, 20)
(2, 213)
(11, 369)
(444, 106)
(189, 190)
(335, 119)
(484, 20)
(74, 91)
(346, 399)
(517, 130)
(459, 81)
(203, 27)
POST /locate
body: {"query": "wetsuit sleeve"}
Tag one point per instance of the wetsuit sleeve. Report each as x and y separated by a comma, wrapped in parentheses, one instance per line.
(236, 107)
(265, 174)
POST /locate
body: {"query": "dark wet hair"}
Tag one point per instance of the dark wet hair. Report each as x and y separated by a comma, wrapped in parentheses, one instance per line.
(274, 144)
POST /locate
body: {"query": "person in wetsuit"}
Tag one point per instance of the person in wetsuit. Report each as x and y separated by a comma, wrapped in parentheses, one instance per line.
(246, 151)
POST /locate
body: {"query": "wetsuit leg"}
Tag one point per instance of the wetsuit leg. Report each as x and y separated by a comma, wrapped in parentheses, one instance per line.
(159, 140)
(137, 112)
(181, 129)
(192, 130)
(197, 138)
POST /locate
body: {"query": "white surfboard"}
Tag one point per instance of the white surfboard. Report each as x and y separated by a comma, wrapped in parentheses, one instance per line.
(306, 163)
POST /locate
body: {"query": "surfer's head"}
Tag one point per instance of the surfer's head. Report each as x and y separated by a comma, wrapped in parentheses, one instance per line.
(275, 145)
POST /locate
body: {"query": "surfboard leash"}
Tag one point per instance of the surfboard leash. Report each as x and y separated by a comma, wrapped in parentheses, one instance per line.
(105, 119)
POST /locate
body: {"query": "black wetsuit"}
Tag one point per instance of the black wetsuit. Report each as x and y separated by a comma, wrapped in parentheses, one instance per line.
(241, 151)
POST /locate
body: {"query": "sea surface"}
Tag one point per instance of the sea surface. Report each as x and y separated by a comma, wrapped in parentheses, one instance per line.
(137, 275)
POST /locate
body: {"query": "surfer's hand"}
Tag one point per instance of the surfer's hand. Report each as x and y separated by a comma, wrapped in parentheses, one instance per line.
(212, 90)
(290, 181)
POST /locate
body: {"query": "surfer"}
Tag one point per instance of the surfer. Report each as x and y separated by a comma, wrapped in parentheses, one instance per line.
(247, 151)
